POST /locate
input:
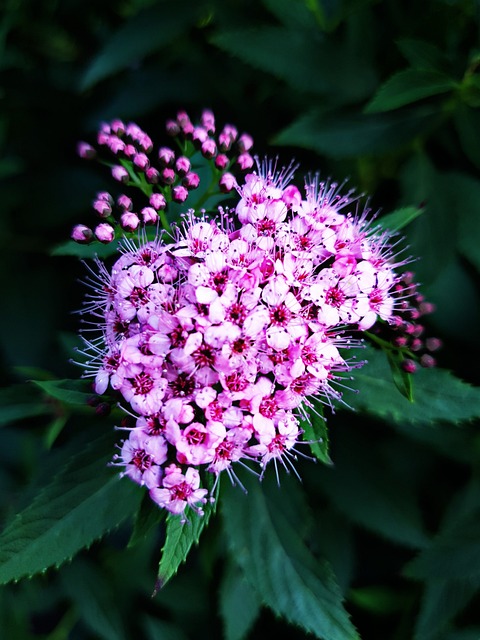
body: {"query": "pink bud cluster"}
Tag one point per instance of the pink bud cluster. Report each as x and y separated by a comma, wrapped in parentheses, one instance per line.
(219, 340)
(406, 331)
(164, 175)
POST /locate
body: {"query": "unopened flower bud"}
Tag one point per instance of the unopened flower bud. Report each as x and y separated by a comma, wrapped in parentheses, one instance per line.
(209, 148)
(172, 128)
(141, 161)
(82, 234)
(157, 201)
(129, 221)
(117, 127)
(221, 161)
(166, 156)
(149, 215)
(104, 195)
(245, 161)
(115, 145)
(227, 182)
(416, 345)
(86, 151)
(227, 137)
(433, 344)
(409, 366)
(104, 232)
(124, 202)
(427, 361)
(200, 134)
(168, 175)
(130, 150)
(152, 175)
(145, 143)
(208, 120)
(103, 208)
(179, 194)
(426, 308)
(103, 409)
(183, 165)
(245, 142)
(120, 173)
(191, 180)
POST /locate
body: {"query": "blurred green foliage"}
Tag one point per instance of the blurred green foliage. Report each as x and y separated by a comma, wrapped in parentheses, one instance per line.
(385, 93)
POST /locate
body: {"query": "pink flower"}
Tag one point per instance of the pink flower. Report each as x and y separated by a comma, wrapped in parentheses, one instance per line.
(179, 490)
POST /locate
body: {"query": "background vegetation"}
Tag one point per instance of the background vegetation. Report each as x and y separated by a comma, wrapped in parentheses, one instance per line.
(385, 93)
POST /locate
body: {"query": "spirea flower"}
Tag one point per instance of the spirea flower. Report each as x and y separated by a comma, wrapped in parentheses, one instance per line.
(219, 337)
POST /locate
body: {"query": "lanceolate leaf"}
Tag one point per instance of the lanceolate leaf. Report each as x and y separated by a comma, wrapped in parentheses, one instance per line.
(67, 391)
(347, 135)
(239, 604)
(438, 396)
(149, 31)
(268, 545)
(180, 537)
(409, 86)
(83, 501)
(399, 218)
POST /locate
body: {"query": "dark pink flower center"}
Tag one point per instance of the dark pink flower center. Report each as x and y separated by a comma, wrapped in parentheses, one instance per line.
(335, 297)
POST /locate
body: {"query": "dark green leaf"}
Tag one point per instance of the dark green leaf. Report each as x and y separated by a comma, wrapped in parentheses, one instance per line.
(84, 251)
(269, 547)
(347, 135)
(439, 395)
(149, 515)
(467, 124)
(180, 537)
(156, 629)
(288, 54)
(239, 604)
(149, 31)
(95, 598)
(421, 54)
(388, 508)
(406, 87)
(67, 391)
(80, 504)
(400, 218)
(315, 432)
(441, 602)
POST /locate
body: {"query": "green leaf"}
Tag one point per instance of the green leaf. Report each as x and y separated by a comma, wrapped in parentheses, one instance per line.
(388, 508)
(67, 391)
(441, 602)
(149, 31)
(267, 543)
(239, 604)
(400, 218)
(149, 515)
(346, 135)
(453, 554)
(315, 432)
(408, 86)
(421, 54)
(466, 207)
(160, 630)
(337, 73)
(180, 537)
(93, 250)
(19, 402)
(467, 125)
(95, 599)
(403, 380)
(79, 505)
(439, 395)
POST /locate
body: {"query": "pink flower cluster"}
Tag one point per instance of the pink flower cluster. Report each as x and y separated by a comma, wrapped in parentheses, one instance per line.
(219, 339)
